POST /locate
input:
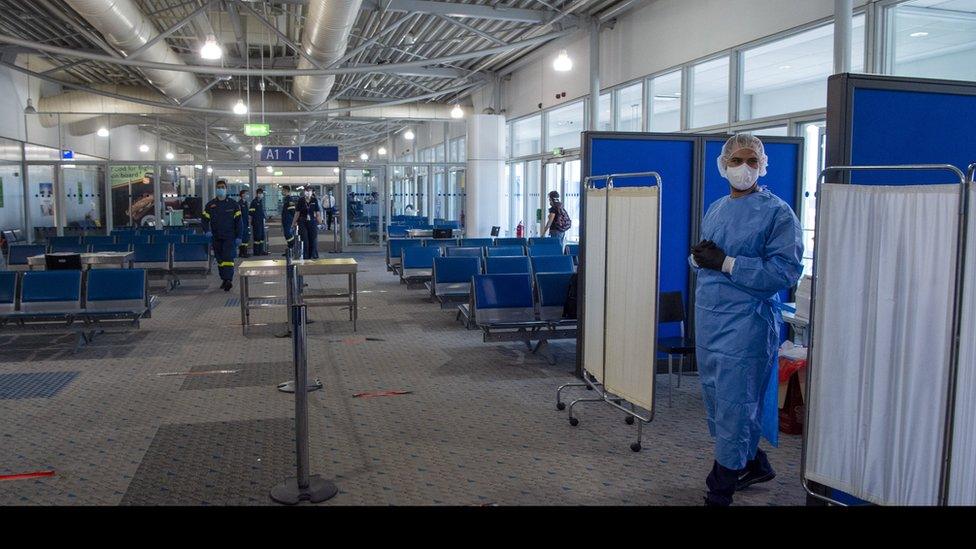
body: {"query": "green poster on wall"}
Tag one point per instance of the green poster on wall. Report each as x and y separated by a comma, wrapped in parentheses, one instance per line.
(80, 197)
(1, 192)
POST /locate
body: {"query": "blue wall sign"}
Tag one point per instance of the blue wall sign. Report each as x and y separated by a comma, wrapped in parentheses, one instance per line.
(67, 154)
(300, 154)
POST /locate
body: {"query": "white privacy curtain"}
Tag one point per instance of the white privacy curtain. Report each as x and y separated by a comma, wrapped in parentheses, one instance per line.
(884, 300)
(596, 216)
(962, 484)
(632, 281)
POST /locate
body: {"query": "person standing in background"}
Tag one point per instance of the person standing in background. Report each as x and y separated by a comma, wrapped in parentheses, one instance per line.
(245, 218)
(309, 216)
(221, 221)
(288, 204)
(558, 222)
(256, 211)
(330, 208)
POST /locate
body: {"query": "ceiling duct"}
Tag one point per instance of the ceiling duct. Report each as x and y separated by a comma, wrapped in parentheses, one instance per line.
(327, 27)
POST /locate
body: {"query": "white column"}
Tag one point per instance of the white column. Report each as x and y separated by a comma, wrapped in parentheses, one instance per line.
(843, 23)
(485, 174)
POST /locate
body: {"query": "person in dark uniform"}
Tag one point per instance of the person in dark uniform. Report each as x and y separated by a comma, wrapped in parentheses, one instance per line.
(245, 218)
(221, 221)
(309, 216)
(288, 204)
(256, 212)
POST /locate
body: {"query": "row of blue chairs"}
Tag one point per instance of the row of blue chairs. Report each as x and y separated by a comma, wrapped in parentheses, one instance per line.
(142, 252)
(78, 243)
(485, 247)
(85, 302)
(451, 276)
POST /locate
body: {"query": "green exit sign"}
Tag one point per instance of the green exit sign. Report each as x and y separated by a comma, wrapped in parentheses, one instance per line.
(279, 172)
(558, 151)
(257, 130)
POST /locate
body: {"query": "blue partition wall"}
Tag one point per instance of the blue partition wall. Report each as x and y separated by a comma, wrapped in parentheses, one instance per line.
(674, 158)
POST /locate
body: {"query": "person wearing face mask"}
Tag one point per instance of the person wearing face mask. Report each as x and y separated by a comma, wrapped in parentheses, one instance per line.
(256, 211)
(308, 219)
(288, 205)
(245, 218)
(330, 209)
(751, 249)
(221, 220)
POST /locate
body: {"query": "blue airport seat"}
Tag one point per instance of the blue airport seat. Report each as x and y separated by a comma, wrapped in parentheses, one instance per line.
(96, 239)
(452, 276)
(64, 241)
(440, 242)
(178, 230)
(17, 255)
(123, 231)
(505, 251)
(572, 249)
(507, 265)
(191, 256)
(445, 224)
(509, 242)
(151, 256)
(69, 248)
(196, 239)
(50, 291)
(552, 264)
(132, 238)
(418, 261)
(503, 299)
(160, 238)
(543, 240)
(553, 289)
(120, 290)
(396, 245)
(456, 251)
(110, 248)
(545, 249)
(8, 291)
(396, 231)
(477, 242)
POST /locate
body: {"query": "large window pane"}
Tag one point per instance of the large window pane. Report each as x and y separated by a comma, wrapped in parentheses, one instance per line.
(132, 195)
(606, 116)
(84, 213)
(629, 108)
(527, 136)
(564, 126)
(11, 187)
(41, 203)
(790, 74)
(517, 214)
(710, 93)
(665, 94)
(933, 39)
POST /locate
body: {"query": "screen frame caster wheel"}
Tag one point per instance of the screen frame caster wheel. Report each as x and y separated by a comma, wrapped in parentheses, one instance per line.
(629, 420)
(573, 421)
(560, 406)
(635, 446)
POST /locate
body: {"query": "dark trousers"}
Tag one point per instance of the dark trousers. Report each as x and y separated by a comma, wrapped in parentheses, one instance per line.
(225, 252)
(310, 235)
(289, 235)
(258, 237)
(245, 238)
(329, 218)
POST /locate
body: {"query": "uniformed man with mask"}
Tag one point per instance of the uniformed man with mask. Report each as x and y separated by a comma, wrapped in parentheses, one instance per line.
(222, 222)
(330, 208)
(309, 216)
(256, 212)
(245, 222)
(288, 205)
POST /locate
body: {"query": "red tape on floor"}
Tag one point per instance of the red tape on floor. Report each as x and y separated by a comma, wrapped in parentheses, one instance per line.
(199, 373)
(25, 476)
(370, 394)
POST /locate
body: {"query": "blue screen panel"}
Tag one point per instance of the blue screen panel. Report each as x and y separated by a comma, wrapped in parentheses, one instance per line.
(780, 175)
(674, 160)
(905, 127)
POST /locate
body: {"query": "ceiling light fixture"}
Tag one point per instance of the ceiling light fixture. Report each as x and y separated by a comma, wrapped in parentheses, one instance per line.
(169, 156)
(456, 112)
(258, 147)
(269, 169)
(211, 49)
(381, 151)
(335, 171)
(102, 132)
(144, 148)
(240, 107)
(784, 67)
(918, 34)
(562, 63)
(364, 157)
(209, 169)
(409, 135)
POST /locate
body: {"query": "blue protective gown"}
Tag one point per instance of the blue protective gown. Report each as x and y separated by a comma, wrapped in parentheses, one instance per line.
(737, 325)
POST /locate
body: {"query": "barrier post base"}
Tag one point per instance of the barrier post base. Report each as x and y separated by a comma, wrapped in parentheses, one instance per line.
(318, 490)
(289, 386)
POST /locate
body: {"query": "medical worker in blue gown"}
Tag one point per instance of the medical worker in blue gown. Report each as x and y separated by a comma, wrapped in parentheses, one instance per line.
(751, 249)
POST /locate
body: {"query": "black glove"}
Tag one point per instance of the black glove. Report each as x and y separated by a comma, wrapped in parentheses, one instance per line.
(708, 255)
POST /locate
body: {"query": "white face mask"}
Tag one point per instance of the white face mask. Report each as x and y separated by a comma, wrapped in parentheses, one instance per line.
(742, 178)
(308, 194)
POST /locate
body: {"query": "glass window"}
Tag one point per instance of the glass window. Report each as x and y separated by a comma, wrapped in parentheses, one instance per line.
(517, 214)
(665, 94)
(535, 203)
(11, 187)
(132, 199)
(606, 116)
(932, 39)
(710, 93)
(777, 131)
(462, 149)
(564, 126)
(790, 74)
(630, 105)
(41, 203)
(82, 198)
(814, 138)
(439, 152)
(527, 136)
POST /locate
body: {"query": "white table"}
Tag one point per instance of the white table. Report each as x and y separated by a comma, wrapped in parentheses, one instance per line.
(88, 260)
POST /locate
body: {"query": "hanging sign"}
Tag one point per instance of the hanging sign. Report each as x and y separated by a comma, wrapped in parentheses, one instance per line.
(257, 130)
(67, 154)
(300, 154)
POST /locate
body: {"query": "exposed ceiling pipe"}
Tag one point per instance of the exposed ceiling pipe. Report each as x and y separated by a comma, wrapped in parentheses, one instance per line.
(326, 34)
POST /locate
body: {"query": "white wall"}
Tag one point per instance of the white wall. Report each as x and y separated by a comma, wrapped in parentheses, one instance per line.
(656, 37)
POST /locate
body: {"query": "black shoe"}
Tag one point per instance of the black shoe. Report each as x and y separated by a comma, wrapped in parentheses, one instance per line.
(750, 478)
(710, 502)
(225, 285)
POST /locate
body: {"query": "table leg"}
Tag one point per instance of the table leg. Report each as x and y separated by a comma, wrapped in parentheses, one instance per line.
(243, 291)
(355, 300)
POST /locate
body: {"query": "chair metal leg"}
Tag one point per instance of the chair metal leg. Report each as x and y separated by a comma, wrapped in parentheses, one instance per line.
(670, 375)
(681, 368)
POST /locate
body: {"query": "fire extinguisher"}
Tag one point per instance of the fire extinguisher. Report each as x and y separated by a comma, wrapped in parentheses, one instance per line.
(520, 230)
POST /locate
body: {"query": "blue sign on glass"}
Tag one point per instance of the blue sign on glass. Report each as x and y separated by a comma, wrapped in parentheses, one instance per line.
(320, 154)
(67, 154)
(300, 154)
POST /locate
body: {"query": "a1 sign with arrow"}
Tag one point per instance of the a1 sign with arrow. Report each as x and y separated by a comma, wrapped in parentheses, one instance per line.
(300, 154)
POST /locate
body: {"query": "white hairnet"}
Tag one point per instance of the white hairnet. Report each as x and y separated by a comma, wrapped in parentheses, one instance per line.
(738, 142)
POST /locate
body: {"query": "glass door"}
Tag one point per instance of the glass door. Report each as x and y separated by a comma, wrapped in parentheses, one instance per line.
(563, 176)
(457, 195)
(363, 206)
(82, 203)
(41, 206)
(133, 199)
